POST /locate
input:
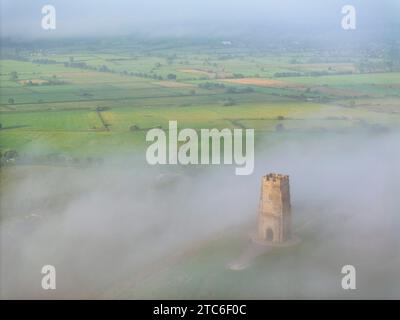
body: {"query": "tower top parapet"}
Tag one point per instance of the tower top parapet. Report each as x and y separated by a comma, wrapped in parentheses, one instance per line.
(276, 177)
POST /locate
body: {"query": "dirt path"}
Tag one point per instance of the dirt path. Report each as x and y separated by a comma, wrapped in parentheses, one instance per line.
(104, 123)
(236, 123)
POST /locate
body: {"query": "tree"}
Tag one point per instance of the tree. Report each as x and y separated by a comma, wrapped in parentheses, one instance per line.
(171, 76)
(11, 101)
(13, 75)
(10, 155)
(228, 102)
(104, 68)
(134, 128)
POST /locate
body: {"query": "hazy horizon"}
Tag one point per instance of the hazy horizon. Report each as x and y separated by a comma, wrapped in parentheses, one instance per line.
(22, 19)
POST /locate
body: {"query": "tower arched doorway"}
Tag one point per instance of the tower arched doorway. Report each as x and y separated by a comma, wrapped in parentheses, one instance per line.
(269, 235)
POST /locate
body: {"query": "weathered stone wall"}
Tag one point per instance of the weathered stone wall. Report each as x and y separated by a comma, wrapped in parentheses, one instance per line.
(274, 217)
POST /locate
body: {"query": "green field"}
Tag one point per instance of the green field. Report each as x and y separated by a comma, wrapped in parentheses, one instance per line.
(70, 105)
(57, 108)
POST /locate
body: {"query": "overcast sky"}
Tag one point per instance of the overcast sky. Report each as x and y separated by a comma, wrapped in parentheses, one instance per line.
(188, 17)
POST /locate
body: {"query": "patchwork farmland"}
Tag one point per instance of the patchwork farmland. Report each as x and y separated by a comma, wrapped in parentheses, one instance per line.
(90, 103)
(74, 118)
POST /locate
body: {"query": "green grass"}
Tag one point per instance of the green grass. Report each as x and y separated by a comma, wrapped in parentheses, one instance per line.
(352, 79)
(63, 118)
(202, 273)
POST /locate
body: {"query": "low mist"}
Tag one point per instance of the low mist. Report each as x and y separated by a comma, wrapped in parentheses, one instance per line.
(105, 224)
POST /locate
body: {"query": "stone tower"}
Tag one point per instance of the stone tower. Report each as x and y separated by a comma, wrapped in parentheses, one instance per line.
(274, 216)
